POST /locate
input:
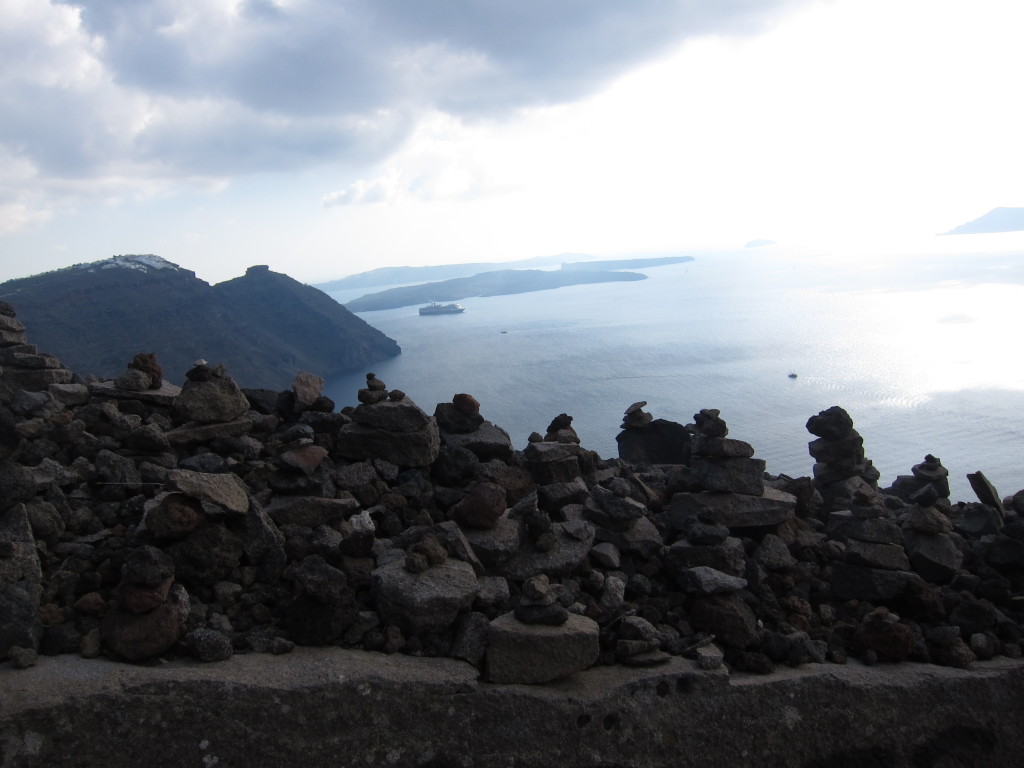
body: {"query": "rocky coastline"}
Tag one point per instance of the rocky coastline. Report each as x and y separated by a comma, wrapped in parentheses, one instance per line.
(142, 521)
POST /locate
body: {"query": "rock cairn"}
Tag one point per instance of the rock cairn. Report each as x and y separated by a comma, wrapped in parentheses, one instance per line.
(143, 521)
(842, 473)
(646, 440)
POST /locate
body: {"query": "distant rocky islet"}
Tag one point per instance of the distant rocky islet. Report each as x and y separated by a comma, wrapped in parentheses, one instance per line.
(144, 520)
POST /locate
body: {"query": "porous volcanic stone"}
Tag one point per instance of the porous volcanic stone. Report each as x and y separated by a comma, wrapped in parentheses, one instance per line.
(538, 653)
(425, 601)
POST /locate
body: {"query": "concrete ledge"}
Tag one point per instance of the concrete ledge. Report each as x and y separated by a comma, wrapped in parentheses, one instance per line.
(330, 707)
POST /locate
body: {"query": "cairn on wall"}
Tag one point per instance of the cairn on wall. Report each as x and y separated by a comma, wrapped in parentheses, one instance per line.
(143, 521)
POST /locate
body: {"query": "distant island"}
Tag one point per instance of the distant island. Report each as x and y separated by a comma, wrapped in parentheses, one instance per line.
(383, 276)
(501, 282)
(996, 220)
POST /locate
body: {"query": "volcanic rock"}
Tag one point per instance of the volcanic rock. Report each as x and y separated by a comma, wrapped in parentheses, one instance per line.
(537, 653)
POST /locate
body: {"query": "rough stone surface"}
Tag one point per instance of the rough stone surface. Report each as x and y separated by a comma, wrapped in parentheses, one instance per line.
(536, 653)
(895, 715)
(425, 601)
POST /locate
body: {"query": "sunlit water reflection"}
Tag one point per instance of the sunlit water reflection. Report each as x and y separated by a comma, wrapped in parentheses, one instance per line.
(922, 351)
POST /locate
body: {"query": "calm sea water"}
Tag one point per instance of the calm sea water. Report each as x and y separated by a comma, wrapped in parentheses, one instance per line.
(924, 353)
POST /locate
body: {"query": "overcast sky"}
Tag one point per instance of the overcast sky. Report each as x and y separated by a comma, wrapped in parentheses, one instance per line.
(327, 137)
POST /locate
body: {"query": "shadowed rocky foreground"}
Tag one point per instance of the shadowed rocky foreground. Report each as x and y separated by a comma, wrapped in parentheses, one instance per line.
(475, 603)
(334, 707)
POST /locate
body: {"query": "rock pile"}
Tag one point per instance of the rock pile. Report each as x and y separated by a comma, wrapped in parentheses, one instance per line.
(142, 521)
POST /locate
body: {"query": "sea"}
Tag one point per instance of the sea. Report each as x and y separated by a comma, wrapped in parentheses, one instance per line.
(924, 350)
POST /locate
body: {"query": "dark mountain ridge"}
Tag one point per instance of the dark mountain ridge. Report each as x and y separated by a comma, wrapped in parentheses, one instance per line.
(264, 326)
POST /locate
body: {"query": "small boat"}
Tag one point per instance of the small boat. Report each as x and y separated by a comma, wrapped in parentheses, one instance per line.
(792, 375)
(433, 308)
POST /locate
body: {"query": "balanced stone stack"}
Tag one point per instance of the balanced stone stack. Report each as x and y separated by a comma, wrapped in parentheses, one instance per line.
(935, 551)
(21, 364)
(149, 610)
(646, 440)
(462, 428)
(720, 464)
(709, 559)
(842, 473)
(929, 478)
(728, 485)
(390, 426)
(873, 565)
(540, 640)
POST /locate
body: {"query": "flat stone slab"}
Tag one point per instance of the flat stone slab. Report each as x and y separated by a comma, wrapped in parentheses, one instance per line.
(163, 396)
(425, 601)
(732, 510)
(260, 711)
(539, 653)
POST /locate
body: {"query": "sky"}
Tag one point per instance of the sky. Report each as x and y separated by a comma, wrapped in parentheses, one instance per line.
(329, 137)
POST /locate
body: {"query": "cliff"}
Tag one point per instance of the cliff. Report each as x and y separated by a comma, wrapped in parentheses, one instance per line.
(264, 326)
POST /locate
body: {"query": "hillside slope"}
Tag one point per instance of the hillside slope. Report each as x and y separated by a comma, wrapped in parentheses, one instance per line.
(264, 326)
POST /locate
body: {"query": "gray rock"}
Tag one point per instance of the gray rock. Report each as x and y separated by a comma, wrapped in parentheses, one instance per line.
(311, 511)
(976, 520)
(224, 490)
(641, 538)
(471, 639)
(606, 555)
(307, 387)
(728, 557)
(488, 441)
(732, 510)
(209, 644)
(535, 653)
(391, 416)
(727, 617)
(729, 475)
(858, 582)
(843, 525)
(773, 554)
(497, 545)
(609, 510)
(986, 492)
(404, 449)
(427, 601)
(138, 636)
(874, 555)
(708, 581)
(573, 540)
(216, 400)
(934, 556)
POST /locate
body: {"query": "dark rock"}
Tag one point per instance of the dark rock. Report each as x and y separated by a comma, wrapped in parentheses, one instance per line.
(727, 617)
(427, 601)
(216, 399)
(209, 645)
(985, 491)
(708, 423)
(658, 442)
(833, 423)
(482, 507)
(729, 475)
(536, 653)
(551, 614)
(138, 636)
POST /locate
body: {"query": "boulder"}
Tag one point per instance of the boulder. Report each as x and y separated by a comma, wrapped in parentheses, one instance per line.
(426, 601)
(770, 507)
(539, 653)
(217, 399)
(225, 490)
